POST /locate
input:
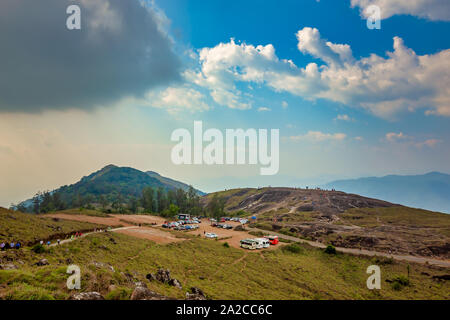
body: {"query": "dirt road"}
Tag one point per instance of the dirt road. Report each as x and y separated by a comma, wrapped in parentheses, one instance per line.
(423, 260)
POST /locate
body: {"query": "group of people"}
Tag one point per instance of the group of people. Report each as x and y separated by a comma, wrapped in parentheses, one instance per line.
(10, 245)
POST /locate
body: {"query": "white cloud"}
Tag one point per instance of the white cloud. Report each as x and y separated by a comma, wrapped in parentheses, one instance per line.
(392, 136)
(403, 81)
(431, 143)
(343, 117)
(263, 109)
(173, 99)
(429, 9)
(318, 136)
(284, 104)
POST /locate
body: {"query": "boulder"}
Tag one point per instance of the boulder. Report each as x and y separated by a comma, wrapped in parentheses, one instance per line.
(141, 292)
(42, 262)
(87, 296)
(8, 266)
(175, 283)
(196, 294)
(163, 275)
(150, 277)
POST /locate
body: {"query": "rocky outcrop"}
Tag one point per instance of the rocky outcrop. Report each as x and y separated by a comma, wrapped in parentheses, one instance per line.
(163, 275)
(141, 292)
(87, 296)
(196, 294)
(42, 262)
(8, 266)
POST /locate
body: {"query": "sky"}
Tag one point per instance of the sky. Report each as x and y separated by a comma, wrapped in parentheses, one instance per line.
(348, 101)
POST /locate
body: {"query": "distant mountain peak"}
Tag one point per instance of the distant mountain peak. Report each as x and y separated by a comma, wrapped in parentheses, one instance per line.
(427, 191)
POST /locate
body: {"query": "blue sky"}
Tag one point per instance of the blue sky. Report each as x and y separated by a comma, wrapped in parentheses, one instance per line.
(346, 102)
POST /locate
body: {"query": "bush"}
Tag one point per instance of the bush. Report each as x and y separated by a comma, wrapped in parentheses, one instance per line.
(330, 249)
(399, 282)
(119, 294)
(226, 245)
(293, 248)
(38, 248)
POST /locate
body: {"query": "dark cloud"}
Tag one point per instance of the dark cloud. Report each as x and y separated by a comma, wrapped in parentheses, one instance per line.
(119, 51)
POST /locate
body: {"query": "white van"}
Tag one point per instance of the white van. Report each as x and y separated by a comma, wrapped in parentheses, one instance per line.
(262, 243)
(248, 244)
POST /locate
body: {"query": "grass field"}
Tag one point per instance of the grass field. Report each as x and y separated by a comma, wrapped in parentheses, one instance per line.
(29, 228)
(221, 272)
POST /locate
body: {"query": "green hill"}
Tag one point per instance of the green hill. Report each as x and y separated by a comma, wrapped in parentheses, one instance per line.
(110, 184)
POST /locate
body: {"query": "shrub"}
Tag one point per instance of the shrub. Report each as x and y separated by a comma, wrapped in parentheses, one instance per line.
(119, 294)
(38, 248)
(330, 249)
(399, 282)
(226, 245)
(293, 248)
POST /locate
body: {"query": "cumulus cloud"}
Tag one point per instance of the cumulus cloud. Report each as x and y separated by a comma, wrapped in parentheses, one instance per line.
(120, 51)
(429, 9)
(318, 136)
(392, 136)
(263, 109)
(402, 81)
(430, 143)
(343, 117)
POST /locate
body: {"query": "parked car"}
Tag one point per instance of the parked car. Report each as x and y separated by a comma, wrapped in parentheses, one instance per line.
(210, 235)
(243, 221)
(165, 225)
(272, 239)
(227, 226)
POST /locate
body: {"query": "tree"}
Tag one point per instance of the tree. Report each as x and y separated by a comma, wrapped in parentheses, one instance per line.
(161, 200)
(133, 205)
(216, 206)
(103, 201)
(147, 199)
(37, 203)
(58, 204)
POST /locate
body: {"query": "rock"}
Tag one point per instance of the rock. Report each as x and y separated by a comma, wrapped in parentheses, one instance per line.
(163, 275)
(8, 266)
(42, 262)
(150, 277)
(102, 265)
(112, 288)
(141, 292)
(175, 283)
(196, 294)
(87, 296)
(442, 277)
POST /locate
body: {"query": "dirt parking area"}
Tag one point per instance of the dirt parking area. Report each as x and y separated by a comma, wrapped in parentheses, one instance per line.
(158, 235)
(114, 220)
(227, 235)
(150, 233)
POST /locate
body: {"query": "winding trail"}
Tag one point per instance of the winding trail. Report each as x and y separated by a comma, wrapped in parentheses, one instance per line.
(422, 260)
(89, 233)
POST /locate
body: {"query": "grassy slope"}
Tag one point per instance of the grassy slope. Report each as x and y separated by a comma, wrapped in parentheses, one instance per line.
(27, 227)
(227, 273)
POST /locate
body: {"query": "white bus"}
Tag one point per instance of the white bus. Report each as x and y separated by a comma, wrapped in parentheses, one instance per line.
(262, 243)
(249, 244)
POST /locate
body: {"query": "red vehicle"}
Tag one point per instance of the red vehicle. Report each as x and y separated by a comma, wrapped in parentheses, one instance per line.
(272, 239)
